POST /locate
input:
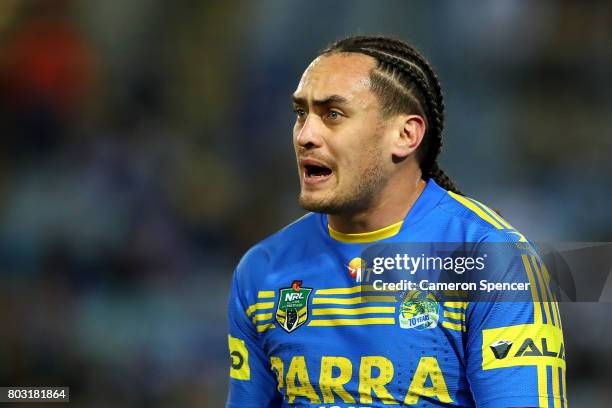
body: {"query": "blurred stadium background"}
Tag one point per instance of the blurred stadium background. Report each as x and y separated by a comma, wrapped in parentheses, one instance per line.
(146, 144)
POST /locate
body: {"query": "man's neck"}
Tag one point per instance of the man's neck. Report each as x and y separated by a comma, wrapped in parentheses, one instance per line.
(394, 204)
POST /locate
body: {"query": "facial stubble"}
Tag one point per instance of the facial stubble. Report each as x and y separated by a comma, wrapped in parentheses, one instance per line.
(366, 182)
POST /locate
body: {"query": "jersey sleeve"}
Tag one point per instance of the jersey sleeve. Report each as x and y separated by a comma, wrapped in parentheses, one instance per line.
(252, 382)
(514, 351)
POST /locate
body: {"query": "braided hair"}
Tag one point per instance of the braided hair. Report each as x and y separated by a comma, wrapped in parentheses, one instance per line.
(405, 82)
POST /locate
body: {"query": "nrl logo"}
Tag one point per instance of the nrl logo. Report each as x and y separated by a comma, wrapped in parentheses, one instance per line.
(292, 309)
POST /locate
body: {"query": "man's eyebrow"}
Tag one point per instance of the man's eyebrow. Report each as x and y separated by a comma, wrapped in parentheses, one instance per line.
(330, 100)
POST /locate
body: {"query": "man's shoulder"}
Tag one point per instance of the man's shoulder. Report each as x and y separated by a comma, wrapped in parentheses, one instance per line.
(282, 243)
(478, 221)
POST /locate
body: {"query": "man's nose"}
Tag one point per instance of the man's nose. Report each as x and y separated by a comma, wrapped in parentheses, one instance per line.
(309, 135)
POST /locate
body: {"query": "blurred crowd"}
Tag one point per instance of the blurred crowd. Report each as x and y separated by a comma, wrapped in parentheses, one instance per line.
(147, 144)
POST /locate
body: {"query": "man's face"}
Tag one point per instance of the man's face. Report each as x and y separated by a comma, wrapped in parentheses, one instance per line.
(338, 135)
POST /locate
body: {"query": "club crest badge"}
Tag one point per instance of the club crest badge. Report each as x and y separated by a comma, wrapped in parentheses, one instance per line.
(419, 311)
(292, 309)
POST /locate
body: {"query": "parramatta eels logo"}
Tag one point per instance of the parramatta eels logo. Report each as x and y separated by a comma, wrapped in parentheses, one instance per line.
(292, 309)
(419, 310)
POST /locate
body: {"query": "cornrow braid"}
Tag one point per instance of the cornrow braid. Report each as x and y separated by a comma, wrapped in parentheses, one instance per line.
(405, 82)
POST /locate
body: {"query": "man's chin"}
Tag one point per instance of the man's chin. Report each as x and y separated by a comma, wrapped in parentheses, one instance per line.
(325, 205)
(309, 202)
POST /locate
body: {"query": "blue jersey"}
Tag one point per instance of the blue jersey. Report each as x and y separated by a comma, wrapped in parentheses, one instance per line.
(302, 331)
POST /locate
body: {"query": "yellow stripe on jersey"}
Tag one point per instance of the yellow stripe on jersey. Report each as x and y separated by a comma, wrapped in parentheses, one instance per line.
(263, 327)
(265, 294)
(555, 387)
(487, 214)
(259, 306)
(537, 311)
(354, 300)
(459, 326)
(552, 303)
(456, 305)
(453, 326)
(350, 290)
(542, 386)
(352, 322)
(352, 311)
(499, 219)
(553, 296)
(492, 213)
(262, 316)
(454, 315)
(542, 286)
(481, 213)
(564, 389)
(343, 291)
(366, 237)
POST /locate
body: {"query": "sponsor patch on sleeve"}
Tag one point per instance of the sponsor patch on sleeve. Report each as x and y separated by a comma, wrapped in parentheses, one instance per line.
(522, 345)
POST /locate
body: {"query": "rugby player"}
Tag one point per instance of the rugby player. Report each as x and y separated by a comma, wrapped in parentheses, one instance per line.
(304, 331)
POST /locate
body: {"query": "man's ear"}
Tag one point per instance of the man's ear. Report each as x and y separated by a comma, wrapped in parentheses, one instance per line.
(409, 135)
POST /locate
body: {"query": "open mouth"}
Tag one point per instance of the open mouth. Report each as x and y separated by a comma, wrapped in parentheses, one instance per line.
(316, 173)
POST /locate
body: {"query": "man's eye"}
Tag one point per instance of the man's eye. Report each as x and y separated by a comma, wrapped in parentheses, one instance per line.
(334, 115)
(299, 112)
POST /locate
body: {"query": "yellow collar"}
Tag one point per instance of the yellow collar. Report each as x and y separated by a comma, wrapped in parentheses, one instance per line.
(365, 237)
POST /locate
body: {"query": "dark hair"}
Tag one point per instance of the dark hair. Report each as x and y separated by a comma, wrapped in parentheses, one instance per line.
(405, 82)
